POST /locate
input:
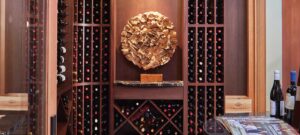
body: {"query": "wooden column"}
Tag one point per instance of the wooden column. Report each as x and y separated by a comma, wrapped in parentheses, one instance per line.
(257, 54)
(51, 60)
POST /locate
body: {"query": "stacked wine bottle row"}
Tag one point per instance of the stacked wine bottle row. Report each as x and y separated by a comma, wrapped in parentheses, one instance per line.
(204, 103)
(201, 11)
(90, 105)
(89, 11)
(210, 55)
(64, 107)
(206, 11)
(91, 54)
(205, 63)
(148, 117)
(35, 62)
(61, 42)
(220, 11)
(211, 60)
(220, 54)
(210, 11)
(191, 54)
(91, 58)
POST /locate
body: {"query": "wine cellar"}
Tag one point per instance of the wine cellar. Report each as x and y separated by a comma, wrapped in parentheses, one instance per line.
(100, 91)
(105, 100)
(147, 67)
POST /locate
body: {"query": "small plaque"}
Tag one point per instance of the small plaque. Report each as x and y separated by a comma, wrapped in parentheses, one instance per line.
(151, 77)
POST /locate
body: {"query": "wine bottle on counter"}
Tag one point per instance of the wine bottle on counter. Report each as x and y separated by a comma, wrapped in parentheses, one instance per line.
(296, 116)
(277, 103)
(290, 98)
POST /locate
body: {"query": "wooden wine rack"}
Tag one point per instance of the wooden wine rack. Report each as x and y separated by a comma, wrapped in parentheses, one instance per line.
(133, 117)
(91, 61)
(61, 40)
(205, 63)
(35, 54)
(101, 106)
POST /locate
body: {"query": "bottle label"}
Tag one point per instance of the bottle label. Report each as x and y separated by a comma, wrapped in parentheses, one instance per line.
(273, 107)
(281, 108)
(298, 94)
(290, 101)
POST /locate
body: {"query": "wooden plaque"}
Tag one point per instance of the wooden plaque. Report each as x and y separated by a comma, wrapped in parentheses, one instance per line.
(151, 77)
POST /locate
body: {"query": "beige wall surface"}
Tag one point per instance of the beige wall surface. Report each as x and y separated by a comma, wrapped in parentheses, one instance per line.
(273, 43)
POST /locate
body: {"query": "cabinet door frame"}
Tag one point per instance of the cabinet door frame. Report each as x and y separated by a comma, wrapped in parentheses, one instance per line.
(256, 27)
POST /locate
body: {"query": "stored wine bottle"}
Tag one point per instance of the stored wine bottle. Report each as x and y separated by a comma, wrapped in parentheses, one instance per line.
(61, 60)
(296, 117)
(61, 69)
(290, 98)
(62, 50)
(61, 78)
(276, 98)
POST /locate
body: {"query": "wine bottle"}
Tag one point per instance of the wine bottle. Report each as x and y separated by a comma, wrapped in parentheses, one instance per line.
(62, 50)
(61, 60)
(290, 98)
(276, 98)
(296, 117)
(61, 78)
(61, 69)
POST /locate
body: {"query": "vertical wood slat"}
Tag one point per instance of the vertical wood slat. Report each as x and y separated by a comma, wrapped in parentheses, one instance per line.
(261, 51)
(256, 54)
(2, 47)
(51, 60)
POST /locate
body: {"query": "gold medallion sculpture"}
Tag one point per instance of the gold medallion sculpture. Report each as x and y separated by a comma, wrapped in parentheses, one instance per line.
(148, 40)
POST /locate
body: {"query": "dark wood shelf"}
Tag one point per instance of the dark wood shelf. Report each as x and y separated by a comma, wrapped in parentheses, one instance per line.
(90, 24)
(160, 93)
(205, 25)
(90, 83)
(149, 84)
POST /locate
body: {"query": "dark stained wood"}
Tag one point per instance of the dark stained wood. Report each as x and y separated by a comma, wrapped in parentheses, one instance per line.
(290, 44)
(167, 93)
(235, 14)
(126, 9)
(290, 39)
(15, 46)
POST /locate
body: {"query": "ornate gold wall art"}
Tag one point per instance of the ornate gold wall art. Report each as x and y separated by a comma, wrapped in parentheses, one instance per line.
(149, 40)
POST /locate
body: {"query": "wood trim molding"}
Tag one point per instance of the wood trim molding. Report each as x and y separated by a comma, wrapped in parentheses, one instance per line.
(51, 53)
(2, 47)
(14, 102)
(257, 54)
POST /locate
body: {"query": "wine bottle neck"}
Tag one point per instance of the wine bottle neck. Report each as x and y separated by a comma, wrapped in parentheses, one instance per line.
(277, 82)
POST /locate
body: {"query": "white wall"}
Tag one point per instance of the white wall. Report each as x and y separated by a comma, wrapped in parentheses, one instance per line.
(273, 43)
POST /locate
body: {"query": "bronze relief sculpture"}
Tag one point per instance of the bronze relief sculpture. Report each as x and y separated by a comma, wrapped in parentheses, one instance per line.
(148, 40)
